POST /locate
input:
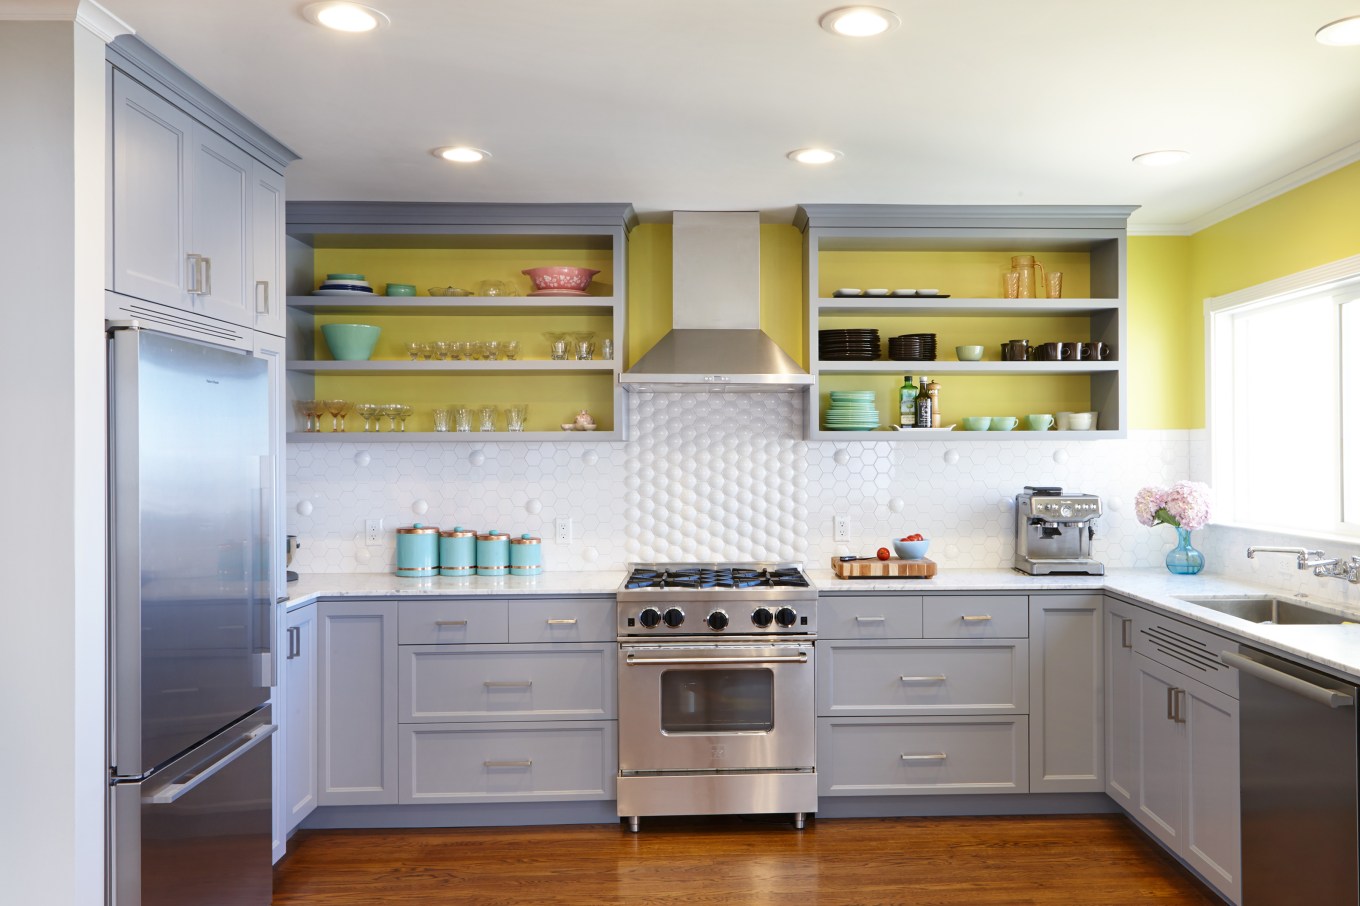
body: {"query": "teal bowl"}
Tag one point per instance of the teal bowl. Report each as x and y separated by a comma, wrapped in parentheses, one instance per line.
(351, 342)
(401, 289)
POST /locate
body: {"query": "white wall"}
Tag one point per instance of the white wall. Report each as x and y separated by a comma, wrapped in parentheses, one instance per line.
(52, 536)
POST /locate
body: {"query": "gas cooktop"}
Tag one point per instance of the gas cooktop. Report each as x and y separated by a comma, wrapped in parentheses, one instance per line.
(715, 576)
(680, 599)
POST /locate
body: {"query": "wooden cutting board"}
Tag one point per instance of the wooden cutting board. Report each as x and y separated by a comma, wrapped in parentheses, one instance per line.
(884, 569)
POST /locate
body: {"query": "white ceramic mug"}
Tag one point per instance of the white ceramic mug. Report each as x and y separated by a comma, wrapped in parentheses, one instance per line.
(1063, 421)
(1079, 421)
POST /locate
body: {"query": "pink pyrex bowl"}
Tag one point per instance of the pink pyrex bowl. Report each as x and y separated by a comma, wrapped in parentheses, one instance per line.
(560, 277)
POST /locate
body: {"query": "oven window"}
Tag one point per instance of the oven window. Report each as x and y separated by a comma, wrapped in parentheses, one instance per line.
(717, 701)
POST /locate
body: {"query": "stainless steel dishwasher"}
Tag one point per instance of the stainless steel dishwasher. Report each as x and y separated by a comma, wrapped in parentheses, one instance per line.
(1299, 784)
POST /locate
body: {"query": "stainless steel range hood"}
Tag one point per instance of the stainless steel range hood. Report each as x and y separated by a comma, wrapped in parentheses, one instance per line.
(715, 342)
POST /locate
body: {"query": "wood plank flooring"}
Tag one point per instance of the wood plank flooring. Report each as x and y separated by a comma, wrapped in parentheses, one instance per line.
(1081, 860)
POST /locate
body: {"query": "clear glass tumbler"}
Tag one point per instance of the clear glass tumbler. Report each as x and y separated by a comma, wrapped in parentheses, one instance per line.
(441, 419)
(486, 418)
(462, 418)
(515, 416)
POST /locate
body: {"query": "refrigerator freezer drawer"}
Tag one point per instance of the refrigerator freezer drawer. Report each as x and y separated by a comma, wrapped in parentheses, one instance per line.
(198, 832)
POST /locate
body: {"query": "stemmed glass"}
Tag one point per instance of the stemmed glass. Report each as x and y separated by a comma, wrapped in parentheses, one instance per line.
(511, 349)
(389, 411)
(414, 350)
(491, 350)
(368, 412)
(457, 348)
(441, 350)
(312, 411)
(338, 410)
(404, 412)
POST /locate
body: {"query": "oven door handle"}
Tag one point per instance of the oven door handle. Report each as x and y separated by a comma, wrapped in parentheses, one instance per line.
(634, 661)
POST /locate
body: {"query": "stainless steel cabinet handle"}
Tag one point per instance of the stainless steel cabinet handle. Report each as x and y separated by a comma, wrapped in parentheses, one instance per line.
(668, 661)
(261, 309)
(924, 679)
(1329, 697)
(1170, 703)
(526, 763)
(195, 274)
(450, 622)
(496, 684)
(935, 756)
(980, 618)
(871, 619)
(1126, 638)
(294, 642)
(207, 275)
(1179, 699)
(571, 622)
(174, 791)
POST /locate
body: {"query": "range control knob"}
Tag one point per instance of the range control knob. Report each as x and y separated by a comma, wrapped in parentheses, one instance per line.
(717, 620)
(650, 617)
(786, 617)
(762, 617)
(674, 617)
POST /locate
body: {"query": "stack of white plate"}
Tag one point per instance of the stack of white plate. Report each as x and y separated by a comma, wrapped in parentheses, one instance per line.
(852, 410)
(344, 285)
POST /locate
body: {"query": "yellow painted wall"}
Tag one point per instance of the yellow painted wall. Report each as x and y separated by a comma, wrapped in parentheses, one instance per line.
(1165, 363)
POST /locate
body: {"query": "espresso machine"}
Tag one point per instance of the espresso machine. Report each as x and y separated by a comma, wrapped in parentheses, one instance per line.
(1054, 531)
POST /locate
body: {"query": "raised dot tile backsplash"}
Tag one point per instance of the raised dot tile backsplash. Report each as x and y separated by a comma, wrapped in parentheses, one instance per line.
(721, 476)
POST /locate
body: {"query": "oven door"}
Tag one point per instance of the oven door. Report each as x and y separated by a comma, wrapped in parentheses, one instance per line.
(715, 706)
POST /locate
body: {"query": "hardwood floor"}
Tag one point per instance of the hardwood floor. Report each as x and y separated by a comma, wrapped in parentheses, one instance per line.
(1080, 860)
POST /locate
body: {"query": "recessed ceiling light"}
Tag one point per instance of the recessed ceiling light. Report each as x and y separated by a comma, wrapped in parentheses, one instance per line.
(1161, 158)
(815, 155)
(860, 21)
(1341, 33)
(350, 17)
(462, 154)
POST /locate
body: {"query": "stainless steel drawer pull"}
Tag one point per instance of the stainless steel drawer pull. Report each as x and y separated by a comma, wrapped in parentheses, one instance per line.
(1180, 706)
(937, 756)
(495, 684)
(1126, 638)
(1329, 697)
(669, 661)
(571, 622)
(980, 618)
(1170, 702)
(526, 763)
(924, 679)
(871, 619)
(450, 622)
(195, 274)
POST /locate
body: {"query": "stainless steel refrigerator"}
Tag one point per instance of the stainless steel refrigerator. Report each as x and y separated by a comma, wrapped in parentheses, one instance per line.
(190, 664)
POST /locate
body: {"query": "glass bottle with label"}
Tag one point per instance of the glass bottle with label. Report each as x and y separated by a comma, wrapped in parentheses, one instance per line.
(923, 412)
(907, 410)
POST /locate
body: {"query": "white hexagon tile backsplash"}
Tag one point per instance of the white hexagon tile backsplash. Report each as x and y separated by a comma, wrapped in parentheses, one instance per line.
(720, 476)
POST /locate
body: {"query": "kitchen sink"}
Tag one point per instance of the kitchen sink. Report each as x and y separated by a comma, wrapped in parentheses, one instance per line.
(1267, 609)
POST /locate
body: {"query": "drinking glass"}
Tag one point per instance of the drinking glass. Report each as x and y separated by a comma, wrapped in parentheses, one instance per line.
(441, 419)
(486, 417)
(462, 418)
(557, 345)
(414, 350)
(311, 410)
(441, 350)
(493, 288)
(390, 411)
(585, 349)
(511, 349)
(367, 411)
(607, 348)
(427, 351)
(338, 410)
(403, 413)
(491, 350)
(515, 416)
(457, 350)
(474, 349)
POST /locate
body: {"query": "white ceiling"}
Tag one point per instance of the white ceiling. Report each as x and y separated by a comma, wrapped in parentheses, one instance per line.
(693, 104)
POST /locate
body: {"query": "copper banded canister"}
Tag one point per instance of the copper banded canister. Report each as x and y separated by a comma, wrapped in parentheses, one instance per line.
(526, 556)
(493, 554)
(418, 551)
(458, 552)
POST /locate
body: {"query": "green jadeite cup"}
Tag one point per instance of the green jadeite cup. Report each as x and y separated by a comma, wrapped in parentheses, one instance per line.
(1038, 422)
(351, 342)
(976, 422)
(1004, 422)
(401, 289)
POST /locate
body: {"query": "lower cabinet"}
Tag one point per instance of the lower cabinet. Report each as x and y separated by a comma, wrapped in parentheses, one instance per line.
(1121, 705)
(1066, 740)
(886, 756)
(357, 702)
(299, 672)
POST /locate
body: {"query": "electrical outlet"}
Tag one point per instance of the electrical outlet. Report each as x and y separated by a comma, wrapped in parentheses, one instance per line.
(564, 530)
(373, 533)
(840, 528)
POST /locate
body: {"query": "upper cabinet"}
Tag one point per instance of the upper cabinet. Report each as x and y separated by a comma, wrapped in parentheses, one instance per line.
(421, 358)
(960, 256)
(196, 205)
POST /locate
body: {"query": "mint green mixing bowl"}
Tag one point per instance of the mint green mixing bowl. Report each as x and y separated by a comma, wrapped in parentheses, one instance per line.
(351, 342)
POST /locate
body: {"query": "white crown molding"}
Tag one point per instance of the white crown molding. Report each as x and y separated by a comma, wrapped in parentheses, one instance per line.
(1159, 229)
(101, 22)
(89, 14)
(1311, 280)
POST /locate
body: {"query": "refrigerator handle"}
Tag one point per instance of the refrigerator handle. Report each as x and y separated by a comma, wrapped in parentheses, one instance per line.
(174, 791)
(269, 667)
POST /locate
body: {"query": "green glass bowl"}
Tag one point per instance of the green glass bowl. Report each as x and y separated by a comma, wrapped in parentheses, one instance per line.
(401, 289)
(351, 342)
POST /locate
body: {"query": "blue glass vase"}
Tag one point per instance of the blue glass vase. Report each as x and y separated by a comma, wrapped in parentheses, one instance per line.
(1183, 559)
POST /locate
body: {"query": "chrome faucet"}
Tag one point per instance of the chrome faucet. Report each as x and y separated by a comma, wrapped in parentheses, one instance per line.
(1330, 567)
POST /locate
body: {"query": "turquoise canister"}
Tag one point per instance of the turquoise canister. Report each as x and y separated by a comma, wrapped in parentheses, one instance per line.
(458, 552)
(418, 551)
(493, 554)
(526, 556)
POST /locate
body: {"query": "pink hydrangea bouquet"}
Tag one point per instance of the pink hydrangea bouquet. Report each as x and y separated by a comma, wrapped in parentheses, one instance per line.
(1186, 504)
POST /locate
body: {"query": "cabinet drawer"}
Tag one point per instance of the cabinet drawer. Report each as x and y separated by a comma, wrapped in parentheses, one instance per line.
(487, 762)
(562, 620)
(1184, 648)
(976, 617)
(567, 680)
(919, 677)
(876, 756)
(451, 622)
(869, 617)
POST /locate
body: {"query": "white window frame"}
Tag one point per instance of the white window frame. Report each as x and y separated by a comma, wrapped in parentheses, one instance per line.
(1323, 278)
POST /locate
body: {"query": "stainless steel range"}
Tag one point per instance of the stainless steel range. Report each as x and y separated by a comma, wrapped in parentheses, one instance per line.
(715, 691)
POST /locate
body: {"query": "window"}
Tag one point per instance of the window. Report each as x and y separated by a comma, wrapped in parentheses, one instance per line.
(1284, 402)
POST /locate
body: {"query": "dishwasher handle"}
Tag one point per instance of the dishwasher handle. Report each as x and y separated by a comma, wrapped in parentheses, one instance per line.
(1320, 694)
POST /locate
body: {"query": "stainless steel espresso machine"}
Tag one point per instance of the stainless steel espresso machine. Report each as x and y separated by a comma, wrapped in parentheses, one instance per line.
(1054, 531)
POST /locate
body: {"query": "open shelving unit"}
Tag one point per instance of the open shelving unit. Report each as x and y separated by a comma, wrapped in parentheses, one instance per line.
(963, 251)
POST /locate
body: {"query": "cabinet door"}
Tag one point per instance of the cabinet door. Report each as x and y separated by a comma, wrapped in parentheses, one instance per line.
(1162, 763)
(1212, 842)
(151, 140)
(299, 718)
(271, 349)
(1121, 706)
(357, 703)
(1066, 741)
(266, 257)
(220, 231)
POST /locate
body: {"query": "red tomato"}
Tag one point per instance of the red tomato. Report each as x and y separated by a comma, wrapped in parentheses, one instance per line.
(884, 553)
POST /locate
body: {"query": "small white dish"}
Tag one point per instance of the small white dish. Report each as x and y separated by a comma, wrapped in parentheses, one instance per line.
(849, 291)
(876, 292)
(927, 292)
(569, 426)
(344, 292)
(904, 292)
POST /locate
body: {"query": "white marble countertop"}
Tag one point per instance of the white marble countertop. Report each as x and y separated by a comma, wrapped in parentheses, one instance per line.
(1334, 647)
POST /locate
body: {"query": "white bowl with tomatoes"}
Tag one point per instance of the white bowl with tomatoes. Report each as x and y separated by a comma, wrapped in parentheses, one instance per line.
(912, 547)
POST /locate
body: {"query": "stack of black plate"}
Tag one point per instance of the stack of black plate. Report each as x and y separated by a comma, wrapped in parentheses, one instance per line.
(854, 344)
(912, 347)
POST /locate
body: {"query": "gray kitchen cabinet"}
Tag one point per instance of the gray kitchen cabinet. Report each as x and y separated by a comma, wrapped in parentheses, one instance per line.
(563, 620)
(1066, 715)
(219, 232)
(922, 676)
(869, 617)
(1121, 705)
(298, 673)
(270, 348)
(268, 292)
(452, 622)
(357, 702)
(975, 617)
